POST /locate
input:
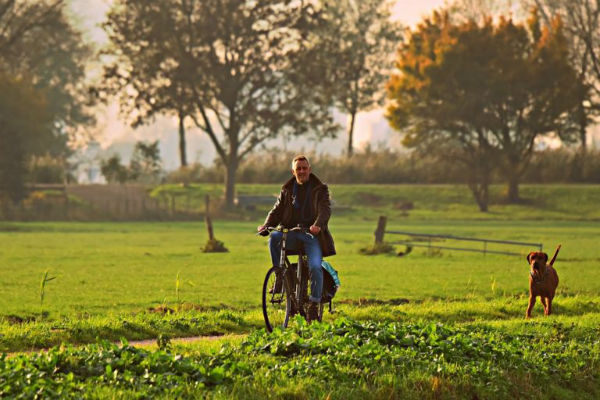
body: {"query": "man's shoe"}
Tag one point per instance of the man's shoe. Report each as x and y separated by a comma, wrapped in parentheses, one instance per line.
(313, 312)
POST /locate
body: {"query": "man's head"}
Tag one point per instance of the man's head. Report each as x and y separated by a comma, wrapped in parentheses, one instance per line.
(301, 168)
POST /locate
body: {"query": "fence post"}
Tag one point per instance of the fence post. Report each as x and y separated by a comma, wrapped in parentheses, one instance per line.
(209, 226)
(380, 231)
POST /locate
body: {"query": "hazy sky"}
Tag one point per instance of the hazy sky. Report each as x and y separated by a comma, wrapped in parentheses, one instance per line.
(370, 127)
(91, 12)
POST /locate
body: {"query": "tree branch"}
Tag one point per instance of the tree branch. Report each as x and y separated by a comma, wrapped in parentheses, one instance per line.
(209, 130)
(252, 145)
(32, 22)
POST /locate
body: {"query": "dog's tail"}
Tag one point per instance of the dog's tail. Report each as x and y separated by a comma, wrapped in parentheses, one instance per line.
(554, 256)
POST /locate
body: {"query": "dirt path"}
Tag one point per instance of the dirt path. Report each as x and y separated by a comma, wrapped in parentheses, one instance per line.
(184, 340)
(147, 342)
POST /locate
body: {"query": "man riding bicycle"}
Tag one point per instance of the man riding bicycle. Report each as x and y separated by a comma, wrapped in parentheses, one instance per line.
(303, 201)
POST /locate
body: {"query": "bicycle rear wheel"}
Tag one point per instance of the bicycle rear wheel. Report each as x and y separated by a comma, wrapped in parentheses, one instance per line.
(276, 304)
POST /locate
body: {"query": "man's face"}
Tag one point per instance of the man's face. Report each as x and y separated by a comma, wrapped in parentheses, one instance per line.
(301, 171)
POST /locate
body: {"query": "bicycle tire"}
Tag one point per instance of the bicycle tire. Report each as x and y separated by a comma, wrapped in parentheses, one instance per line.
(304, 302)
(276, 305)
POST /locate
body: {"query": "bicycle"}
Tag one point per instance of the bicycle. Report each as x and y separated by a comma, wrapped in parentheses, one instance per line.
(285, 289)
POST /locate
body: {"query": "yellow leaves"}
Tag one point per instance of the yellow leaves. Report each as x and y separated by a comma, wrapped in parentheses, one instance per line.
(457, 75)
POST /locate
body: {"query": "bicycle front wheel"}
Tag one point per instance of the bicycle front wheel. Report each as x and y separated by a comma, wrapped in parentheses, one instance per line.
(276, 303)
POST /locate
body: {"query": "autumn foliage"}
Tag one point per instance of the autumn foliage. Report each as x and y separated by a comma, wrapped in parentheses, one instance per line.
(482, 93)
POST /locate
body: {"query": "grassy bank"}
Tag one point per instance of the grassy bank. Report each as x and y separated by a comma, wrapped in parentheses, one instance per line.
(501, 312)
(418, 202)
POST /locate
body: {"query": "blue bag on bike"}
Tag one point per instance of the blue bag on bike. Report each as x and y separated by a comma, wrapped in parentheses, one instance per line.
(331, 282)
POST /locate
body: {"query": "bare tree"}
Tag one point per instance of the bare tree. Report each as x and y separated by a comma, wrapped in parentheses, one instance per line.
(358, 44)
(581, 19)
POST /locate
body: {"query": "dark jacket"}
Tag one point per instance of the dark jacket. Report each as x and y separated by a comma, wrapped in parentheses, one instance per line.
(282, 211)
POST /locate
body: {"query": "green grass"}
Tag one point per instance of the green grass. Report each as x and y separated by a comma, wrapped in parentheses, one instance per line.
(109, 276)
(105, 268)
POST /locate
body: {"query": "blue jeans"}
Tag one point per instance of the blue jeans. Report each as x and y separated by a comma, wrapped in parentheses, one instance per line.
(313, 252)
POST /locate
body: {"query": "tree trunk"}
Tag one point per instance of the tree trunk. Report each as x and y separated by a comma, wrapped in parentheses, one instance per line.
(232, 166)
(350, 150)
(513, 188)
(481, 194)
(583, 124)
(583, 135)
(182, 144)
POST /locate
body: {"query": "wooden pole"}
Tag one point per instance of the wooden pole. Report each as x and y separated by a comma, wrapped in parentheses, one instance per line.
(380, 231)
(209, 227)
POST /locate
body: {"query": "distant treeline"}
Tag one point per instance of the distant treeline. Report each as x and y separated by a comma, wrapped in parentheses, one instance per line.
(384, 166)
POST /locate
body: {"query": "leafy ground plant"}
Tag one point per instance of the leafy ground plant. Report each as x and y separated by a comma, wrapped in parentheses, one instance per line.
(364, 359)
(43, 282)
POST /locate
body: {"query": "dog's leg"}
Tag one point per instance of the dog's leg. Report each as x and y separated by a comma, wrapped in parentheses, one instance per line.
(530, 306)
(548, 305)
(544, 301)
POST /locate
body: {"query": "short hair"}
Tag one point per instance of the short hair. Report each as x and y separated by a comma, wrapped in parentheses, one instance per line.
(300, 157)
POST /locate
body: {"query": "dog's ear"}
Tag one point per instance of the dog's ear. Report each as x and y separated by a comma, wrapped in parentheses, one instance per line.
(529, 257)
(545, 257)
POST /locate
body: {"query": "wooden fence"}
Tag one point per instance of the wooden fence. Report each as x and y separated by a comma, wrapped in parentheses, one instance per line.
(101, 202)
(430, 240)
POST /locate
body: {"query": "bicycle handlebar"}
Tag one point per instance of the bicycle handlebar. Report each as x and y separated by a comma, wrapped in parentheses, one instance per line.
(269, 229)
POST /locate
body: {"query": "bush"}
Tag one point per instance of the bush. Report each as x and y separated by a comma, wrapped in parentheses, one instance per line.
(214, 246)
(387, 166)
(377, 248)
(46, 169)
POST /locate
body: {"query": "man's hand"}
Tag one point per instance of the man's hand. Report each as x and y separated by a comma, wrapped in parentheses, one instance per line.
(314, 229)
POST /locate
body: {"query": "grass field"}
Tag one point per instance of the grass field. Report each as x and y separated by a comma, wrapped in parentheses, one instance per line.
(108, 276)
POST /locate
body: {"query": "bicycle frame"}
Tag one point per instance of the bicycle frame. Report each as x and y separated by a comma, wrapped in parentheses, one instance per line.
(285, 266)
(294, 285)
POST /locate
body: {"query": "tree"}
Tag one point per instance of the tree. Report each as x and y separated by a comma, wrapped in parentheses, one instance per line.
(582, 27)
(145, 165)
(38, 44)
(358, 44)
(42, 59)
(487, 91)
(237, 65)
(113, 171)
(479, 9)
(25, 127)
(145, 162)
(147, 90)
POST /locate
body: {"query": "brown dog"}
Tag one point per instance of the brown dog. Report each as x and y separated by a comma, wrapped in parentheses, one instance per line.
(543, 280)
